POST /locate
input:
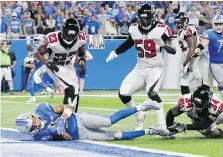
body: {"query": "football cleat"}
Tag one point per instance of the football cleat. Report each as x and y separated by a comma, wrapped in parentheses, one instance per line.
(150, 105)
(51, 91)
(31, 100)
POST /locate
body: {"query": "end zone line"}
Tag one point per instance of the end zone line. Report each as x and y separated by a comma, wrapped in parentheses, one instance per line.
(155, 151)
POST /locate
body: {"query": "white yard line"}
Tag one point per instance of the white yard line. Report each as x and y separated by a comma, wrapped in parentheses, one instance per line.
(128, 147)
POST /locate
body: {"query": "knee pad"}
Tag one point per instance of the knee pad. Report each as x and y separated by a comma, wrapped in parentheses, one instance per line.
(69, 93)
(220, 88)
(155, 97)
(124, 98)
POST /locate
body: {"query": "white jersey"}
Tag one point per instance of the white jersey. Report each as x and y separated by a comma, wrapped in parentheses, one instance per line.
(60, 54)
(183, 34)
(184, 105)
(149, 54)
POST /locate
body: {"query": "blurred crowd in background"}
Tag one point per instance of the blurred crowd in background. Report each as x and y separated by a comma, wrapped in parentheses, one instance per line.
(101, 17)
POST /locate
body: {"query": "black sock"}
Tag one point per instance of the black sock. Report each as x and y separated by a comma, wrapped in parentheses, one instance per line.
(185, 90)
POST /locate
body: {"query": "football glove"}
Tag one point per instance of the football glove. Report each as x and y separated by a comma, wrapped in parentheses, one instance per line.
(52, 66)
(28, 38)
(159, 41)
(177, 128)
(111, 56)
(60, 126)
(81, 66)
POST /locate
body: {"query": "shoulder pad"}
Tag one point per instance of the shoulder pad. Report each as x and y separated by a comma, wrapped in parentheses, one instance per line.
(44, 106)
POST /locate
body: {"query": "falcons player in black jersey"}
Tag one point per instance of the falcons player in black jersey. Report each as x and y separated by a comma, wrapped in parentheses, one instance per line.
(149, 37)
(62, 46)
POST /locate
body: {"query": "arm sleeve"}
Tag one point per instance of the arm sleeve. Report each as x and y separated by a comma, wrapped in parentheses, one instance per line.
(200, 125)
(125, 45)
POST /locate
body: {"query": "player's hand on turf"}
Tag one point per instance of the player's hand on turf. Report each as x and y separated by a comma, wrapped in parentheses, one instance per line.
(177, 128)
(52, 66)
(159, 41)
(111, 56)
(60, 126)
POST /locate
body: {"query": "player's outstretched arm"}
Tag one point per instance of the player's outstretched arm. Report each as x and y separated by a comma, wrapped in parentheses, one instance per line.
(121, 49)
(28, 45)
(191, 42)
(171, 114)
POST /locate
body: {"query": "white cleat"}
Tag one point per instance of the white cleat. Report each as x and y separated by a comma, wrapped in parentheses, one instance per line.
(158, 131)
(31, 100)
(150, 105)
(51, 91)
(140, 116)
(43, 93)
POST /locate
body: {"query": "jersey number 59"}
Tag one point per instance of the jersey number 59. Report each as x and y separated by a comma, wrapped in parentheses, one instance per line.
(146, 48)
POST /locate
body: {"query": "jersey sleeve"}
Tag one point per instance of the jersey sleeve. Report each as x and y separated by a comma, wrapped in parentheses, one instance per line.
(216, 106)
(44, 106)
(184, 104)
(43, 136)
(168, 32)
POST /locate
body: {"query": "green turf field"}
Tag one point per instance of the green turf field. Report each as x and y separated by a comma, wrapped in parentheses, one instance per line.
(107, 102)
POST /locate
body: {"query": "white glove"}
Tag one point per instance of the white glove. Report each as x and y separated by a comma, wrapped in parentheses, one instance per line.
(111, 56)
(28, 38)
(159, 41)
(184, 69)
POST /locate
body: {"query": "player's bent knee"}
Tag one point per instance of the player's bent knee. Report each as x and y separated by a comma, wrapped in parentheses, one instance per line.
(124, 98)
(154, 96)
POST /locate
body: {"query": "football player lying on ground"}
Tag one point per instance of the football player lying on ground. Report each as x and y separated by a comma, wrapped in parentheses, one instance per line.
(79, 126)
(205, 110)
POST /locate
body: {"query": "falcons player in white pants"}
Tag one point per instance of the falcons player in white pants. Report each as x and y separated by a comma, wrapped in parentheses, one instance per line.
(148, 36)
(191, 69)
(62, 46)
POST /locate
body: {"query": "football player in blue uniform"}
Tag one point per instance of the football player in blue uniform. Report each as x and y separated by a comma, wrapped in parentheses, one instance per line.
(79, 126)
(38, 70)
(213, 39)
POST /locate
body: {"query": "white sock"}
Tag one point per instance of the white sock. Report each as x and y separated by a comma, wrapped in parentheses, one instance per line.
(130, 103)
(160, 115)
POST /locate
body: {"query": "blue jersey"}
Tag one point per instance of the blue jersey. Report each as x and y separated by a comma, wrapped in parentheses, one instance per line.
(45, 111)
(215, 45)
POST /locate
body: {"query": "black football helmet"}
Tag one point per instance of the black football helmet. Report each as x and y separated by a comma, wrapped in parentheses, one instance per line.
(181, 20)
(201, 99)
(146, 16)
(70, 30)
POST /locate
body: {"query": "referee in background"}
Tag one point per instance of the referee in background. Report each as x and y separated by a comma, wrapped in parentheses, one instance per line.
(6, 65)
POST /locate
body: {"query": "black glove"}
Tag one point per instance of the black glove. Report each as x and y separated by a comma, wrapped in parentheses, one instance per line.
(177, 128)
(52, 66)
(81, 65)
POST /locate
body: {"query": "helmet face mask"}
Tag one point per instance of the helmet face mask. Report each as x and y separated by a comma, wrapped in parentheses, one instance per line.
(201, 100)
(29, 123)
(146, 16)
(70, 30)
(217, 23)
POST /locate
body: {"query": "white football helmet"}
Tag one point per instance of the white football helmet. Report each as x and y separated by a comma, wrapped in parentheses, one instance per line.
(24, 123)
(37, 39)
(217, 23)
